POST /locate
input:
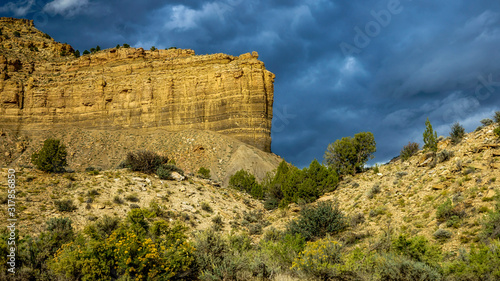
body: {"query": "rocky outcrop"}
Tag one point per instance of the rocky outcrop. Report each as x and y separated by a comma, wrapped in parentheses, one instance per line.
(133, 88)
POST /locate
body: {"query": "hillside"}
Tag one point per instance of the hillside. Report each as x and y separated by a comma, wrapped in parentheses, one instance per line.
(106, 149)
(405, 196)
(401, 198)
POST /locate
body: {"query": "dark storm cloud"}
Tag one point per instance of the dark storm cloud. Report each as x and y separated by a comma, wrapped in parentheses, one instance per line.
(404, 61)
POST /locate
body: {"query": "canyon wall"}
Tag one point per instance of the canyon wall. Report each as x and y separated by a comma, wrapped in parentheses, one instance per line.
(116, 88)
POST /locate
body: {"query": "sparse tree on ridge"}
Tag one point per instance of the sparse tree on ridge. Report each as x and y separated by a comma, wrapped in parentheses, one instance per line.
(430, 137)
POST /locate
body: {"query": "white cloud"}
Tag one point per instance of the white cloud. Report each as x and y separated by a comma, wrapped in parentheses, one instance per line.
(19, 8)
(65, 7)
(184, 18)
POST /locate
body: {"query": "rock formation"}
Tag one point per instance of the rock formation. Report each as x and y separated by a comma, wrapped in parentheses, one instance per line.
(43, 86)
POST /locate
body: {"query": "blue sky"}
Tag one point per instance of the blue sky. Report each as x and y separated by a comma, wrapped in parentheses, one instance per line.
(342, 67)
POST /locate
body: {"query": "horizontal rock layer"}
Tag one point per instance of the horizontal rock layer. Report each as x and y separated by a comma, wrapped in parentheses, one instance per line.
(133, 88)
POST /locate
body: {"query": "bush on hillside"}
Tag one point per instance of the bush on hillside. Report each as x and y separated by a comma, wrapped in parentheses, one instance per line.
(497, 117)
(457, 133)
(496, 131)
(486, 122)
(318, 221)
(65, 205)
(394, 267)
(244, 181)
(204, 173)
(144, 161)
(409, 150)
(164, 171)
(215, 258)
(482, 262)
(349, 155)
(51, 158)
(418, 248)
(444, 155)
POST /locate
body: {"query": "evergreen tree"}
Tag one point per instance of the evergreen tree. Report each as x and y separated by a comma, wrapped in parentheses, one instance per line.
(51, 158)
(430, 137)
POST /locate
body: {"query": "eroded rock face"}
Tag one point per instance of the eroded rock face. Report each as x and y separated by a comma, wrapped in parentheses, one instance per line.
(133, 88)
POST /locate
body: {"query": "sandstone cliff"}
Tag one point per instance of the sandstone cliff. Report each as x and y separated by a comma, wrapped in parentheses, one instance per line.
(43, 87)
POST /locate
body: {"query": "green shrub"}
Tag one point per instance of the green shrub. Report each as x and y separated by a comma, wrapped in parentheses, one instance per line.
(444, 155)
(206, 207)
(34, 253)
(399, 268)
(164, 171)
(491, 225)
(16, 34)
(163, 174)
(442, 234)
(217, 223)
(418, 248)
(118, 200)
(380, 210)
(153, 48)
(480, 264)
(486, 122)
(76, 54)
(430, 137)
(496, 117)
(132, 198)
(282, 250)
(409, 150)
(445, 210)
(215, 258)
(65, 205)
(51, 158)
(457, 133)
(318, 221)
(244, 181)
(86, 52)
(496, 131)
(145, 161)
(374, 190)
(204, 173)
(126, 46)
(349, 155)
(449, 213)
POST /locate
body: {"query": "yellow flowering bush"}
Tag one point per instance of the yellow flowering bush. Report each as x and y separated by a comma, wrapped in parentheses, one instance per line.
(320, 258)
(92, 260)
(141, 258)
(162, 254)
